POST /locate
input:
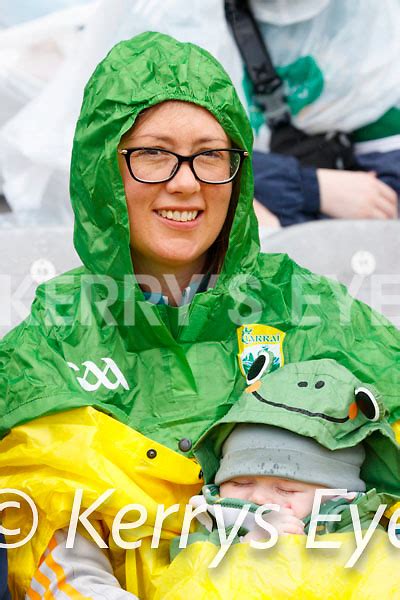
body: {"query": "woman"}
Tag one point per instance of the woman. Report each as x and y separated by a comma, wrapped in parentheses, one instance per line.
(122, 365)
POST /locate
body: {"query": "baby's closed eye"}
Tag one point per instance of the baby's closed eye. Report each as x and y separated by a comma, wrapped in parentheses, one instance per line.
(242, 483)
(286, 491)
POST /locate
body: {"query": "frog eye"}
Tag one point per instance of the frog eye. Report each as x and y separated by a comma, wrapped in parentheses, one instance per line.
(258, 368)
(367, 403)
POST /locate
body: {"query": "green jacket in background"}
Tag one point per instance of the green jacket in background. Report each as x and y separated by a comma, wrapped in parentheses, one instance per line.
(92, 338)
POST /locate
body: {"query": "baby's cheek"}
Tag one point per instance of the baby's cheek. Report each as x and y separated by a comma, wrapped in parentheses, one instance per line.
(303, 506)
(224, 489)
(228, 490)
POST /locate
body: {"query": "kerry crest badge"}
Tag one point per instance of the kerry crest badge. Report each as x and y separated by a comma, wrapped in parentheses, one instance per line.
(254, 339)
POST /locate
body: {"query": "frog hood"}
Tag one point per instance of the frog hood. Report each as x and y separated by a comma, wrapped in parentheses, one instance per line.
(137, 74)
(318, 399)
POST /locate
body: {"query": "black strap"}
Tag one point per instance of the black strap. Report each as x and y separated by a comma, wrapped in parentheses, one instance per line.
(331, 150)
(268, 86)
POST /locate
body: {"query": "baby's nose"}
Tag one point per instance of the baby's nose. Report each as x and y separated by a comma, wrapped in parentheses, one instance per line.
(265, 497)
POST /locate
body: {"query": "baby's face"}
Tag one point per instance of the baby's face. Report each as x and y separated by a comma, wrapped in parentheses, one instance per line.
(263, 489)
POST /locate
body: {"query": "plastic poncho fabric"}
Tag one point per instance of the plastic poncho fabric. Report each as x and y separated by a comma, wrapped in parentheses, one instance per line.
(97, 371)
(333, 80)
(286, 572)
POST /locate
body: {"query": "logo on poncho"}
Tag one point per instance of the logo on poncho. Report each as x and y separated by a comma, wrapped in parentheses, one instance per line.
(94, 377)
(254, 339)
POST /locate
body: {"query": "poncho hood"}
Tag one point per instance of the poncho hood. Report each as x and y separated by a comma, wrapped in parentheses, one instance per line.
(137, 74)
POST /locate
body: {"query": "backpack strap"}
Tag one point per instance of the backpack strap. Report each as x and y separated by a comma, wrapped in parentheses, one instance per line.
(268, 86)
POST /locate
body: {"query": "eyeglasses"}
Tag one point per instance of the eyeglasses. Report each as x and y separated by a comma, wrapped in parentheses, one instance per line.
(153, 165)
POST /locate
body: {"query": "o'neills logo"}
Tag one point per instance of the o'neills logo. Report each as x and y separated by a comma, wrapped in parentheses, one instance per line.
(255, 338)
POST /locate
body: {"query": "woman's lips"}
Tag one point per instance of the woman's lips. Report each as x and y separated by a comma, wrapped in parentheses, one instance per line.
(177, 224)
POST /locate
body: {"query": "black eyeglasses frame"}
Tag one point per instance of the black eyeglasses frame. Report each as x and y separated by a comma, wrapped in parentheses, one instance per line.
(126, 152)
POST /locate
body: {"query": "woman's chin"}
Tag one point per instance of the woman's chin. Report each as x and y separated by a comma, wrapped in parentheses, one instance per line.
(170, 259)
(185, 259)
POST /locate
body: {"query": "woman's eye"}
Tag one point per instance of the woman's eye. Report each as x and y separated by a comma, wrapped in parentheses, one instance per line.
(282, 491)
(212, 154)
(241, 483)
(148, 153)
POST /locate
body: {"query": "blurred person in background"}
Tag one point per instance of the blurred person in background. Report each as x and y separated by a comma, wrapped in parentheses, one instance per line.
(335, 84)
(331, 99)
(14, 13)
(36, 40)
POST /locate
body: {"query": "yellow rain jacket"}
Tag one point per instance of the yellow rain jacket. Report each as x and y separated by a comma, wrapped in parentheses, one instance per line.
(53, 457)
(287, 571)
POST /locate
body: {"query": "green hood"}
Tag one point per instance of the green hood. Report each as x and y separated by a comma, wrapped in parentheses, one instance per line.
(319, 399)
(172, 372)
(164, 69)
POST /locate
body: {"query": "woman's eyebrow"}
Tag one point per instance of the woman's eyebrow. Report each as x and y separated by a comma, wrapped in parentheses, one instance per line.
(206, 140)
(170, 140)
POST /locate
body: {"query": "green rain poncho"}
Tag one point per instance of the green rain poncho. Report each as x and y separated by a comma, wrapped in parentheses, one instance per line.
(93, 343)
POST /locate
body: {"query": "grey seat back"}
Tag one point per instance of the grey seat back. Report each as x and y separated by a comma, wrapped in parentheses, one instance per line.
(29, 256)
(364, 255)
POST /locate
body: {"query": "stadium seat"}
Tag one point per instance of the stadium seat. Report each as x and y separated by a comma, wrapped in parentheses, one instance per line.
(364, 255)
(29, 256)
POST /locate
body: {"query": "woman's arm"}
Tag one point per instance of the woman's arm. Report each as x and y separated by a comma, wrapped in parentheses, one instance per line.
(83, 572)
(287, 189)
(296, 194)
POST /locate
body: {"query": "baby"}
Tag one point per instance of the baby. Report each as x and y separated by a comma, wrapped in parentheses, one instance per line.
(303, 427)
(261, 464)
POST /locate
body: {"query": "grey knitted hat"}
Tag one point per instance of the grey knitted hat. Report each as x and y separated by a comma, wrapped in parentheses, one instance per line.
(253, 449)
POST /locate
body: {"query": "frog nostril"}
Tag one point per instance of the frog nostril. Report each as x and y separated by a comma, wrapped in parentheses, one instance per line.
(302, 384)
(319, 385)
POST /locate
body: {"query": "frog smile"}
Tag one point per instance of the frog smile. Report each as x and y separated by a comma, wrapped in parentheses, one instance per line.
(303, 411)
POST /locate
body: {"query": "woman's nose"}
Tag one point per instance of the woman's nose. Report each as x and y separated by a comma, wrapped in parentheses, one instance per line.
(184, 181)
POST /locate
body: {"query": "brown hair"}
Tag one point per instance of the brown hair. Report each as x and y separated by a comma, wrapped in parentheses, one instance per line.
(217, 251)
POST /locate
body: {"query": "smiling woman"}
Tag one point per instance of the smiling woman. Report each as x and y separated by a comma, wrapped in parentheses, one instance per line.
(176, 220)
(107, 386)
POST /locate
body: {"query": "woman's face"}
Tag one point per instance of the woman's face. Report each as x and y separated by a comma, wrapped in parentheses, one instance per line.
(160, 240)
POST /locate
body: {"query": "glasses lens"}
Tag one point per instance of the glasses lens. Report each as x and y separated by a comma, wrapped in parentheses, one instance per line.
(216, 166)
(152, 165)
